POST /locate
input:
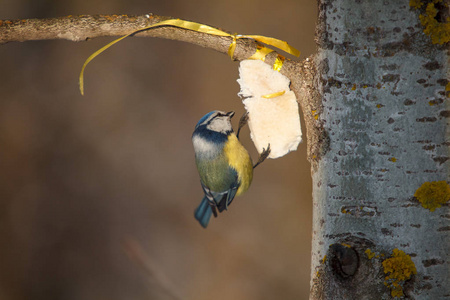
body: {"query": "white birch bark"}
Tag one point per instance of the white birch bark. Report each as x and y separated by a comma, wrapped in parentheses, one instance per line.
(386, 114)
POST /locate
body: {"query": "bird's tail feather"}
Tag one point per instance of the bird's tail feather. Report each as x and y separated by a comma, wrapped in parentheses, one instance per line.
(203, 212)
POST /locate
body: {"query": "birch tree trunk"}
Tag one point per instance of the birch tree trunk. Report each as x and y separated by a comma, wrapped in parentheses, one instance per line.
(381, 219)
(375, 99)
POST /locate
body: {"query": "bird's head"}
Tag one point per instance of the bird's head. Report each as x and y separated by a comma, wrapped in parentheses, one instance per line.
(217, 121)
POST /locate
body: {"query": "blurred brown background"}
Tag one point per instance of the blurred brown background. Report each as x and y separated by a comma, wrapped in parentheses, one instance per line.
(97, 193)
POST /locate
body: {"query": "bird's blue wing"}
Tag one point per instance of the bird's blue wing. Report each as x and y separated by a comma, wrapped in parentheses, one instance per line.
(221, 199)
(227, 197)
(203, 212)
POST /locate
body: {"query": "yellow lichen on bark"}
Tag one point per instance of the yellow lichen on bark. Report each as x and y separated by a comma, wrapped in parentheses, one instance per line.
(415, 3)
(433, 194)
(439, 32)
(400, 268)
(369, 253)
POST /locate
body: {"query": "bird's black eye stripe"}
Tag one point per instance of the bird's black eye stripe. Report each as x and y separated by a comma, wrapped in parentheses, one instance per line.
(214, 116)
(218, 114)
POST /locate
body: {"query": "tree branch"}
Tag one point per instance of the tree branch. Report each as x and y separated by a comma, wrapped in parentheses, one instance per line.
(85, 27)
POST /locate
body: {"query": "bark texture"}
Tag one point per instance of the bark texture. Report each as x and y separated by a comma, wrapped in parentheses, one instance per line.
(84, 27)
(384, 108)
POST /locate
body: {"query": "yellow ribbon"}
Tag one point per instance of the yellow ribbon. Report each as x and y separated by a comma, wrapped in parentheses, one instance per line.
(261, 53)
(93, 55)
(273, 95)
(208, 30)
(278, 64)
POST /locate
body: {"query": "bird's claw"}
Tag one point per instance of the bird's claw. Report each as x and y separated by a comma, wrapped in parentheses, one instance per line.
(242, 122)
(262, 157)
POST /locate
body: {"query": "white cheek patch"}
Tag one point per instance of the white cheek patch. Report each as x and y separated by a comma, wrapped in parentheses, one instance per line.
(220, 125)
(203, 147)
(273, 120)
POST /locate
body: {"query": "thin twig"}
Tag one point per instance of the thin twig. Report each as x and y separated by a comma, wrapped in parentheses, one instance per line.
(85, 27)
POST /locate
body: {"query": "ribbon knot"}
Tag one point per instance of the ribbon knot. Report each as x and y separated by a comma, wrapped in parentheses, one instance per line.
(260, 53)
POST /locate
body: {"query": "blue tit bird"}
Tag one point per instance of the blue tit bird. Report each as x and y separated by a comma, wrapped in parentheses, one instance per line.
(224, 165)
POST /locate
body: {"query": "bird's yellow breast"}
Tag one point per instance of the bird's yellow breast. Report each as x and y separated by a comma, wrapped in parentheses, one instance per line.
(239, 159)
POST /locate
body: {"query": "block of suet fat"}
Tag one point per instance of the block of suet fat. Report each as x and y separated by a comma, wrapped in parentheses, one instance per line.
(272, 108)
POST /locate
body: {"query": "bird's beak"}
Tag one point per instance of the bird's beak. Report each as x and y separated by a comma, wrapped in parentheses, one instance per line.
(230, 114)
